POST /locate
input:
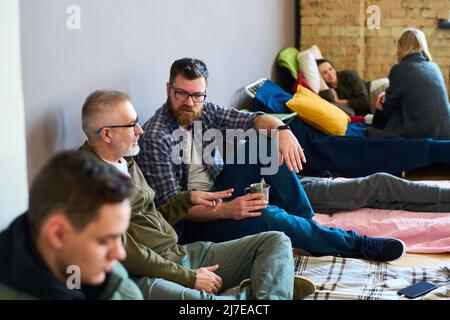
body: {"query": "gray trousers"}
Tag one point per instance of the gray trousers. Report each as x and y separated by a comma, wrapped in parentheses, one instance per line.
(379, 191)
(266, 258)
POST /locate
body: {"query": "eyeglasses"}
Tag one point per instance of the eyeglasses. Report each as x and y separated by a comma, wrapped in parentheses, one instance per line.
(134, 125)
(182, 95)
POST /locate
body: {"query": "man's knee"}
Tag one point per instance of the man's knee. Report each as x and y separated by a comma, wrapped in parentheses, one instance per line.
(146, 285)
(380, 178)
(278, 238)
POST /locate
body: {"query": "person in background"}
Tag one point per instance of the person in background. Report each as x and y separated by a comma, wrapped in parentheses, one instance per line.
(67, 245)
(415, 105)
(344, 88)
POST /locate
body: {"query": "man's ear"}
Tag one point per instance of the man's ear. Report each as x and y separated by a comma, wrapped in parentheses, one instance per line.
(105, 134)
(168, 88)
(56, 230)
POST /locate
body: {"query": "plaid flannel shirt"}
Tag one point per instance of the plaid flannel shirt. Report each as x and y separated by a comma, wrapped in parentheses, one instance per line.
(157, 144)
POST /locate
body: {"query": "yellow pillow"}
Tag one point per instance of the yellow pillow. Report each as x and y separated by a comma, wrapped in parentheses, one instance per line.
(318, 112)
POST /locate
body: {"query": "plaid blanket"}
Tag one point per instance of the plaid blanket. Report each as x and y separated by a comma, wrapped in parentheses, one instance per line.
(353, 279)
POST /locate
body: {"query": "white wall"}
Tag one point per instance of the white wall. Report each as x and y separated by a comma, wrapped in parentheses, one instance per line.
(129, 45)
(13, 179)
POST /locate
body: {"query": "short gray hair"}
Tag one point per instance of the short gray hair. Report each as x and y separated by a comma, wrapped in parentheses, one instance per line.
(95, 104)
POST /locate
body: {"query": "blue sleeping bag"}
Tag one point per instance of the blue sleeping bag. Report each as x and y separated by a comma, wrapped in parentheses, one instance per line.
(353, 155)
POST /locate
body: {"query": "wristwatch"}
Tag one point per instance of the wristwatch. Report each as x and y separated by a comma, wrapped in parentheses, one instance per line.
(283, 127)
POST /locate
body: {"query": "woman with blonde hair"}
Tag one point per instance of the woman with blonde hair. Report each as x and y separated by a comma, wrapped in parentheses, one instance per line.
(412, 41)
(415, 105)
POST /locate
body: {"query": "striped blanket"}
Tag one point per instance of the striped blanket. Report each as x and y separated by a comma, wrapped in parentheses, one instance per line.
(354, 279)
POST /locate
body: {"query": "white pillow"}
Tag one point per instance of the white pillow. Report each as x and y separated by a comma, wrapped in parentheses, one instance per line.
(315, 51)
(308, 67)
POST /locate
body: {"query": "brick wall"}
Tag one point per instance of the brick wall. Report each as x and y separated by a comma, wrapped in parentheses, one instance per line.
(339, 29)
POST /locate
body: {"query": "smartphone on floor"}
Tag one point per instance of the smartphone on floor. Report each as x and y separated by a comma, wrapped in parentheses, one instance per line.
(416, 290)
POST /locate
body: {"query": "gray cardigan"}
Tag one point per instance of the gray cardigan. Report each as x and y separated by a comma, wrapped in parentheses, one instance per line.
(416, 102)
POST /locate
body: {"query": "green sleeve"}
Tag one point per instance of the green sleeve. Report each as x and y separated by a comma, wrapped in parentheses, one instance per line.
(177, 207)
(142, 261)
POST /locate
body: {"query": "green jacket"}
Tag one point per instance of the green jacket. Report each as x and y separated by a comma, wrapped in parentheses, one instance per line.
(24, 274)
(151, 242)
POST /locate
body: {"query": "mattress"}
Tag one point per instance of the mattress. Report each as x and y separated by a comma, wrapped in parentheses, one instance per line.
(352, 155)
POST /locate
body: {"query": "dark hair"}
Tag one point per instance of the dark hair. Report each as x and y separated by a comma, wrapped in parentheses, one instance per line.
(78, 184)
(97, 100)
(320, 61)
(189, 68)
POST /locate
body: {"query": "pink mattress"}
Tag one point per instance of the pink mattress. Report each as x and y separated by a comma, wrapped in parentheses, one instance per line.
(423, 232)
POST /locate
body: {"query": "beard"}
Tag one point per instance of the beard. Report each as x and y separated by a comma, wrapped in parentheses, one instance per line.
(133, 151)
(182, 118)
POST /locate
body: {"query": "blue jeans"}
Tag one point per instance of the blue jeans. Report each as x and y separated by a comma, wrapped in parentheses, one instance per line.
(292, 214)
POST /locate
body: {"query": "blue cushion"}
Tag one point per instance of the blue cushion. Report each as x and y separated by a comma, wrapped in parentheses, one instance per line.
(270, 98)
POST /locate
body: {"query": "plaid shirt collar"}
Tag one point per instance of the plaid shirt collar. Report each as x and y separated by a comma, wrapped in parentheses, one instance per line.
(158, 143)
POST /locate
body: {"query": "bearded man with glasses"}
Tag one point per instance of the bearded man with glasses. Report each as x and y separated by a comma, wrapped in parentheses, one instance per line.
(242, 214)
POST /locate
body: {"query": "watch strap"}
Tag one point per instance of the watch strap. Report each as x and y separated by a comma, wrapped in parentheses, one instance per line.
(284, 127)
